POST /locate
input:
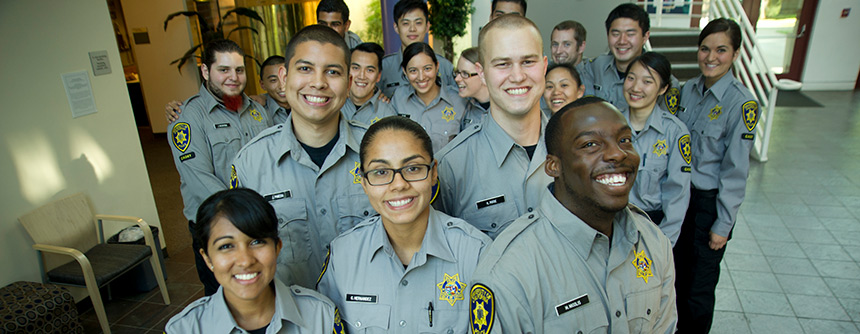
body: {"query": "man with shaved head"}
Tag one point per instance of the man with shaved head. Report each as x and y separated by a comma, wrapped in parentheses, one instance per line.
(491, 173)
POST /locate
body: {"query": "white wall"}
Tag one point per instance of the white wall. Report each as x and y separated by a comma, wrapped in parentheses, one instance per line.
(45, 153)
(160, 81)
(546, 14)
(832, 61)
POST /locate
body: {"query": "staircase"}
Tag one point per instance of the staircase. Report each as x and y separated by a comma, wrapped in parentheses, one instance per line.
(679, 46)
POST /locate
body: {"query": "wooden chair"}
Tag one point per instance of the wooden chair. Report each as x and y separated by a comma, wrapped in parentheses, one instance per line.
(68, 227)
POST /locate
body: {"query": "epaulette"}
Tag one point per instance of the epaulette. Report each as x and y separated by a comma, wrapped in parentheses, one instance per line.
(460, 138)
(302, 292)
(637, 210)
(193, 306)
(191, 98)
(357, 124)
(462, 226)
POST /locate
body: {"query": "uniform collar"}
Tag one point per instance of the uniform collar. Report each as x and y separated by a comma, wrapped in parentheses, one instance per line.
(350, 107)
(433, 244)
(654, 120)
(443, 95)
(501, 143)
(718, 90)
(289, 144)
(210, 103)
(610, 64)
(286, 309)
(577, 232)
(273, 107)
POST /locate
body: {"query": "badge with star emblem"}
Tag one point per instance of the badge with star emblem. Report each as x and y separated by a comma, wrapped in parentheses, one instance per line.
(256, 115)
(374, 120)
(684, 147)
(643, 266)
(356, 173)
(181, 135)
(715, 113)
(338, 324)
(482, 308)
(660, 147)
(750, 110)
(451, 289)
(673, 99)
(448, 114)
(234, 179)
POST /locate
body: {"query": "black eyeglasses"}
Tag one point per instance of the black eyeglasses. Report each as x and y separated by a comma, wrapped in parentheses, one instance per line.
(464, 74)
(383, 176)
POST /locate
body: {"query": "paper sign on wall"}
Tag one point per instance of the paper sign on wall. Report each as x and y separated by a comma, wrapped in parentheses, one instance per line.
(80, 93)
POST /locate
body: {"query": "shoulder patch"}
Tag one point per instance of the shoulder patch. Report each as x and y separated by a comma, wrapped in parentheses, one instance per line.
(234, 179)
(338, 324)
(482, 309)
(750, 112)
(181, 136)
(673, 99)
(435, 190)
(685, 149)
(324, 267)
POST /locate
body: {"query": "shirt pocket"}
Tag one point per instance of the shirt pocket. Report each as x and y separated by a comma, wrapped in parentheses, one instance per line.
(225, 144)
(480, 218)
(587, 319)
(445, 321)
(293, 230)
(642, 307)
(649, 179)
(351, 210)
(366, 318)
(710, 140)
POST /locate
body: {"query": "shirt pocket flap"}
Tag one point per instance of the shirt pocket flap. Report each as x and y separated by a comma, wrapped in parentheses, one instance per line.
(366, 317)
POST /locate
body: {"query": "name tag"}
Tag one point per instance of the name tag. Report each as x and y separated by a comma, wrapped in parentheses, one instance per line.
(222, 125)
(187, 156)
(686, 169)
(747, 136)
(361, 298)
(277, 196)
(571, 304)
(490, 201)
(393, 84)
(596, 87)
(404, 115)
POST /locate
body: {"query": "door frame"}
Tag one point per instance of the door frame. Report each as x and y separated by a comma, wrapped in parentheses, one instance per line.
(805, 21)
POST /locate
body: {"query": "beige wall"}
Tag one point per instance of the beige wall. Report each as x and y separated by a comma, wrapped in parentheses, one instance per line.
(160, 81)
(45, 153)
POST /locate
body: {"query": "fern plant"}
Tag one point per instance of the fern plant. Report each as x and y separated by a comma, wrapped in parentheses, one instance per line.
(209, 33)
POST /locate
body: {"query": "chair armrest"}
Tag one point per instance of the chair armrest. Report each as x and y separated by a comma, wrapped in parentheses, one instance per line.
(144, 226)
(80, 257)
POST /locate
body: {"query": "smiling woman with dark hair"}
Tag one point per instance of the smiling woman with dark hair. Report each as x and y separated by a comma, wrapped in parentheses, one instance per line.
(408, 267)
(240, 232)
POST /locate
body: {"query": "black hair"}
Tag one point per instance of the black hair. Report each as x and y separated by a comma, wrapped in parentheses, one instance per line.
(219, 45)
(657, 62)
(522, 3)
(243, 207)
(272, 60)
(579, 32)
(406, 6)
(552, 133)
(417, 48)
(316, 33)
(570, 69)
(334, 6)
(630, 11)
(394, 123)
(728, 26)
(373, 48)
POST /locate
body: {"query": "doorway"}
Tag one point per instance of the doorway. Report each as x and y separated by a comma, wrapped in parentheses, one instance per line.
(783, 29)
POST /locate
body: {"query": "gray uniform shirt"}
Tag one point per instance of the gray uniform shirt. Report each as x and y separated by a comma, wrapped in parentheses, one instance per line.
(297, 310)
(369, 112)
(487, 179)
(313, 204)
(204, 141)
(600, 78)
(549, 272)
(368, 283)
(663, 180)
(277, 113)
(474, 114)
(352, 39)
(441, 118)
(722, 125)
(393, 77)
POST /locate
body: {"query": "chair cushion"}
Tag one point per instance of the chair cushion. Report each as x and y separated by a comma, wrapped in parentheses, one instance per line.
(28, 307)
(108, 261)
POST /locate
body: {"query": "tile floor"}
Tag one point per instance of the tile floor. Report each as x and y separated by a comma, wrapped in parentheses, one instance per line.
(791, 267)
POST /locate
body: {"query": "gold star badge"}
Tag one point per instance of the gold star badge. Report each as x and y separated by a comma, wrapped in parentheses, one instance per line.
(643, 266)
(448, 114)
(451, 289)
(356, 173)
(715, 113)
(256, 115)
(660, 147)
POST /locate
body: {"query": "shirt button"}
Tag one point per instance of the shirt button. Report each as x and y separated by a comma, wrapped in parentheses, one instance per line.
(358, 324)
(450, 224)
(618, 314)
(493, 225)
(402, 323)
(531, 216)
(450, 331)
(366, 213)
(578, 332)
(531, 209)
(404, 283)
(648, 312)
(298, 291)
(322, 212)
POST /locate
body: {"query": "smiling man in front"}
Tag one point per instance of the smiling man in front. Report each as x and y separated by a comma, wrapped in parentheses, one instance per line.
(308, 167)
(584, 261)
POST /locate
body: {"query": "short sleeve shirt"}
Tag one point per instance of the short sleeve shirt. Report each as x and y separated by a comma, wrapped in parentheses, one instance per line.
(600, 78)
(550, 272)
(313, 204)
(488, 179)
(722, 122)
(441, 118)
(204, 141)
(297, 310)
(393, 77)
(376, 294)
(474, 114)
(663, 180)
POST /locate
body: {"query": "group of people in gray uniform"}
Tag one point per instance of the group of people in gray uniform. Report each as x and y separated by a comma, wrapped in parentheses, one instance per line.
(377, 194)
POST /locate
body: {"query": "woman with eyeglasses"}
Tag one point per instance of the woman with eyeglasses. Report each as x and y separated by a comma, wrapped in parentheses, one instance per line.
(407, 269)
(427, 100)
(471, 87)
(239, 231)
